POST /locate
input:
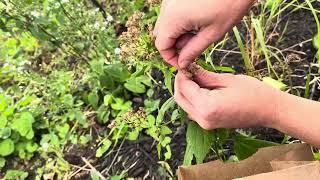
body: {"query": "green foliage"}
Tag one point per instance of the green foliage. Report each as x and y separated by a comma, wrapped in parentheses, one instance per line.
(65, 72)
(199, 142)
(16, 174)
(6, 147)
(246, 146)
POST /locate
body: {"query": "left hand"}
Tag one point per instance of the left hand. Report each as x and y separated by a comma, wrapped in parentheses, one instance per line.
(226, 101)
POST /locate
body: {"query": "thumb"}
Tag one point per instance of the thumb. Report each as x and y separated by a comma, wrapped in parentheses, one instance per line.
(211, 80)
(196, 45)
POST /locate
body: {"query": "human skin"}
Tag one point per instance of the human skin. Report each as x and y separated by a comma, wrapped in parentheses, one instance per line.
(238, 101)
(190, 26)
(225, 100)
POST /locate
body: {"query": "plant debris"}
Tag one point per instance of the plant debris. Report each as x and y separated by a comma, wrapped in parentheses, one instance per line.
(191, 70)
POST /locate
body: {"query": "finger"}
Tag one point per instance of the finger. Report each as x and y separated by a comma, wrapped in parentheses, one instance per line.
(211, 80)
(183, 40)
(196, 46)
(190, 90)
(162, 9)
(166, 40)
(185, 104)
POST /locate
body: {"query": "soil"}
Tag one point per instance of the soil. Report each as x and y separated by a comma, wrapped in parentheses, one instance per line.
(140, 157)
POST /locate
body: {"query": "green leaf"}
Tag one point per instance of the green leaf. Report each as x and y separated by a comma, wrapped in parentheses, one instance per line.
(247, 146)
(133, 135)
(5, 133)
(166, 140)
(16, 174)
(8, 111)
(151, 120)
(63, 130)
(168, 154)
(274, 83)
(118, 72)
(3, 121)
(198, 143)
(68, 100)
(107, 99)
(315, 42)
(120, 105)
(151, 105)
(2, 162)
(175, 115)
(85, 139)
(165, 130)
(3, 102)
(25, 101)
(103, 148)
(168, 80)
(6, 147)
(93, 99)
(135, 85)
(170, 103)
(103, 114)
(94, 175)
(23, 125)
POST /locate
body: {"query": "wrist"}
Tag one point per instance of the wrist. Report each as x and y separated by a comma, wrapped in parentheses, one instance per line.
(273, 108)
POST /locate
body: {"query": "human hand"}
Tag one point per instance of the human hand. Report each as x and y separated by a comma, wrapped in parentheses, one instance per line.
(226, 100)
(193, 25)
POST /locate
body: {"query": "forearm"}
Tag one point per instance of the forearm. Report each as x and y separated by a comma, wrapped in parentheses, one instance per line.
(298, 117)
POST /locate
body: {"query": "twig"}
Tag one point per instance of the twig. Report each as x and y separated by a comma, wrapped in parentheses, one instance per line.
(114, 159)
(78, 170)
(93, 168)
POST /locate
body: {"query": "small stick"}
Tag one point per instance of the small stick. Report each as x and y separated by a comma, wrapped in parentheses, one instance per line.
(93, 168)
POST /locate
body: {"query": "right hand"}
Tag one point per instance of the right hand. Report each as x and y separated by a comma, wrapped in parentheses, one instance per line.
(226, 100)
(192, 26)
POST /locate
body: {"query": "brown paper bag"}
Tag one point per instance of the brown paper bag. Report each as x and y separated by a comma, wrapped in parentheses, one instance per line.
(310, 171)
(256, 164)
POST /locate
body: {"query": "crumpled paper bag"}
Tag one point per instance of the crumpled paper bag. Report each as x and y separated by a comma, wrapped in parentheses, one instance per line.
(277, 162)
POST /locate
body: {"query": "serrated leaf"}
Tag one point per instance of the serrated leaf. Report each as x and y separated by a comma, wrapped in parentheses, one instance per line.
(198, 143)
(6, 147)
(244, 146)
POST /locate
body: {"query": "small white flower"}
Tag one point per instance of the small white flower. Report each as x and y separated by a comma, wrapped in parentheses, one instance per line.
(117, 51)
(96, 25)
(103, 29)
(105, 23)
(35, 13)
(109, 18)
(97, 10)
(57, 4)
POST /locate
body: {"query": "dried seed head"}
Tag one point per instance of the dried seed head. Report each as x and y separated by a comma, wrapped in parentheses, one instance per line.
(153, 3)
(191, 70)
